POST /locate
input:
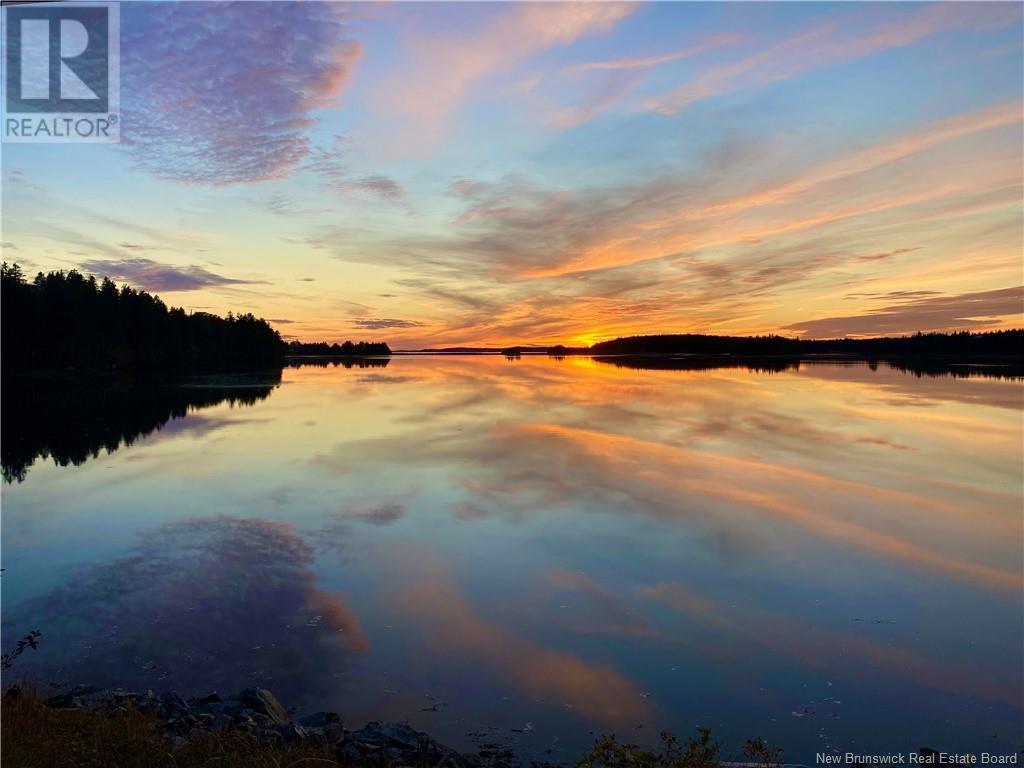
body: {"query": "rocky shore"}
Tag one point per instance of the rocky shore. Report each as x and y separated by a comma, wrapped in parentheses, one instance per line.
(257, 713)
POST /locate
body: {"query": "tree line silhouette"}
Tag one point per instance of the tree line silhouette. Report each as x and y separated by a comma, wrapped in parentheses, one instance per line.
(963, 345)
(67, 322)
(348, 349)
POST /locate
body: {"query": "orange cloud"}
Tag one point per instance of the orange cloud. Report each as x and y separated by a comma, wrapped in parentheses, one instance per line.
(994, 116)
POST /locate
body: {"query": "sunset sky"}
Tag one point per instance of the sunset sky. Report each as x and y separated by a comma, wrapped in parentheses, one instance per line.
(468, 173)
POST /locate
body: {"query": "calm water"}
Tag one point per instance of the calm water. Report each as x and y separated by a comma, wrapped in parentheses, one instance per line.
(829, 556)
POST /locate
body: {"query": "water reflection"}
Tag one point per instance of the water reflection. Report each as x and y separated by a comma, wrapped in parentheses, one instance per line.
(827, 556)
(200, 604)
(449, 625)
(526, 469)
(784, 636)
(696, 363)
(72, 422)
(334, 362)
(1010, 369)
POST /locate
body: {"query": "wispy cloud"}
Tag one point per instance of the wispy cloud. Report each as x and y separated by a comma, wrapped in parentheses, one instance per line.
(380, 186)
(967, 311)
(379, 323)
(831, 43)
(384, 514)
(331, 165)
(647, 62)
(612, 87)
(614, 79)
(520, 227)
(219, 93)
(154, 276)
(879, 154)
(446, 68)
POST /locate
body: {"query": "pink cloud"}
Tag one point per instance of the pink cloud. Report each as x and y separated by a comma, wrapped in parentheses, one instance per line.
(446, 69)
(828, 45)
(619, 76)
(252, 74)
(610, 91)
(646, 62)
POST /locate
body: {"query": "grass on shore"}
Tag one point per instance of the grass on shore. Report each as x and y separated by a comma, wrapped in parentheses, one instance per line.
(36, 736)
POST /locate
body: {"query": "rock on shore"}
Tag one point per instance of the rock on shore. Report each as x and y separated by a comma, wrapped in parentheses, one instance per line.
(257, 712)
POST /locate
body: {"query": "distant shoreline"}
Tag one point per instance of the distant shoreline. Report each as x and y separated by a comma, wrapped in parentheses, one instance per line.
(687, 355)
(959, 344)
(952, 359)
(963, 366)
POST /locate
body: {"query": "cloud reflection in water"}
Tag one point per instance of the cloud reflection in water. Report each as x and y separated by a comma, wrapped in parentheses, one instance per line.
(201, 604)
